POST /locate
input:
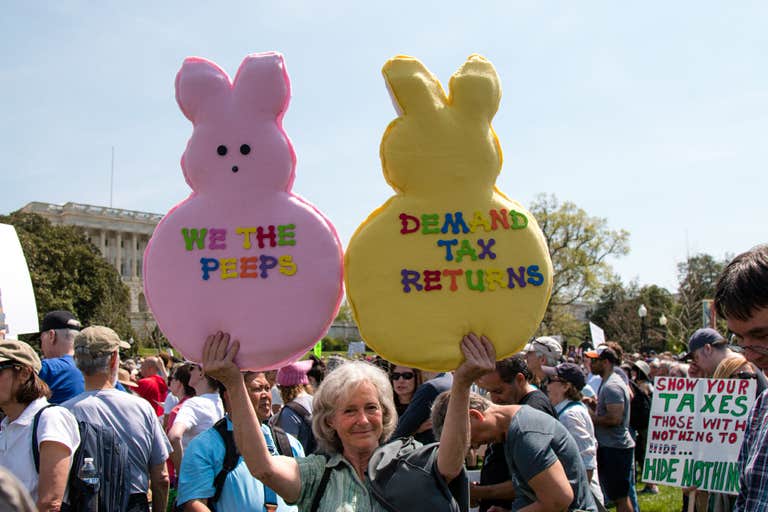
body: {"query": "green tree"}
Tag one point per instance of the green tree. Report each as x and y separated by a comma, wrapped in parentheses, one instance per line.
(68, 272)
(616, 312)
(344, 316)
(579, 245)
(697, 277)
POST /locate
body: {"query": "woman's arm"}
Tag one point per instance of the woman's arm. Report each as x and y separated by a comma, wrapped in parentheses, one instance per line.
(54, 471)
(479, 359)
(174, 437)
(279, 473)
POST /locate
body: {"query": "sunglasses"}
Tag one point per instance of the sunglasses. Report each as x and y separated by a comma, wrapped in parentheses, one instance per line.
(7, 364)
(404, 375)
(745, 375)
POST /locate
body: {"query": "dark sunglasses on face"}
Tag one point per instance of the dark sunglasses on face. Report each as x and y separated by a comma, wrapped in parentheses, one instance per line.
(7, 364)
(745, 375)
(404, 375)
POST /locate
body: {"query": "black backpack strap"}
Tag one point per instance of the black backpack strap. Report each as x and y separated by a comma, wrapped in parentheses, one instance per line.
(282, 443)
(321, 488)
(300, 410)
(35, 449)
(570, 404)
(231, 457)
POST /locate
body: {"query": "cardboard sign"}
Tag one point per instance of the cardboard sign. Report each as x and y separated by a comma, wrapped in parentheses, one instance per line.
(695, 432)
(597, 334)
(18, 309)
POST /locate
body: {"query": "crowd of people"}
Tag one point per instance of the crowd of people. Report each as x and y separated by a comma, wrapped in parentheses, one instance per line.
(550, 428)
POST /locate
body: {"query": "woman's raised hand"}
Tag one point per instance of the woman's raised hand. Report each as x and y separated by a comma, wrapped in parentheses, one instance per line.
(218, 358)
(479, 358)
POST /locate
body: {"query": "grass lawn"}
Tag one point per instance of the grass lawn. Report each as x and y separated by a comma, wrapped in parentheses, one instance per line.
(669, 499)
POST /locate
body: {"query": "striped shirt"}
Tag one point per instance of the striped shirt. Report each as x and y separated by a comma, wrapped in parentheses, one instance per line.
(753, 460)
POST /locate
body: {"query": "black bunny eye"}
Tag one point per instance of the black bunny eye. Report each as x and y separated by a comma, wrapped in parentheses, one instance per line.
(245, 149)
(221, 150)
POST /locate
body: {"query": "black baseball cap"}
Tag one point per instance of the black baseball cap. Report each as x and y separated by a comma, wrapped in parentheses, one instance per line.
(60, 319)
(705, 336)
(570, 372)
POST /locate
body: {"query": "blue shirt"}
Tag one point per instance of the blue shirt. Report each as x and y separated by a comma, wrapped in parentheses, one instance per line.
(63, 377)
(204, 458)
(753, 460)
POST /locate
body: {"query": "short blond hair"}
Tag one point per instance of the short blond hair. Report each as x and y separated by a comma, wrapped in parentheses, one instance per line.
(729, 366)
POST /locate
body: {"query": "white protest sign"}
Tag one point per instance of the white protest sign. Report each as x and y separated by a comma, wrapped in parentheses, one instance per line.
(355, 347)
(695, 432)
(18, 299)
(598, 336)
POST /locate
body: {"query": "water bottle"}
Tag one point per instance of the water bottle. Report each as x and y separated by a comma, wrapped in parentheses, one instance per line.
(89, 475)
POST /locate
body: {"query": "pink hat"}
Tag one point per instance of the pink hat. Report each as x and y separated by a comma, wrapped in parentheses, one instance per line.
(294, 374)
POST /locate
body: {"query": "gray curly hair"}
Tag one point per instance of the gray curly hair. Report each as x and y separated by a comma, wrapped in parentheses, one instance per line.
(336, 389)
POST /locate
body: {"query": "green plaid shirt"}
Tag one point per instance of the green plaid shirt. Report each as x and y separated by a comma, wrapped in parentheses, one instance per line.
(344, 492)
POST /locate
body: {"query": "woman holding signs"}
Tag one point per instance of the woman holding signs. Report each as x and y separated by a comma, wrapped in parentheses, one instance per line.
(353, 415)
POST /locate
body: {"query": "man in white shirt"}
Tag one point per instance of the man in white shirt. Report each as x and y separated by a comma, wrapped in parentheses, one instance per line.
(129, 416)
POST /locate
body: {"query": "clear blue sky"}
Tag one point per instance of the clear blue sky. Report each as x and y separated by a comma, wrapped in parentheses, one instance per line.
(653, 115)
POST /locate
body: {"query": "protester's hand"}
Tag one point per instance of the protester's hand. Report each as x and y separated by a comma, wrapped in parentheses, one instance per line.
(479, 359)
(590, 402)
(427, 425)
(474, 499)
(218, 356)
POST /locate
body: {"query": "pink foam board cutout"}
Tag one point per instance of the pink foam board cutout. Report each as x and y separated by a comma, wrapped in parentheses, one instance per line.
(242, 254)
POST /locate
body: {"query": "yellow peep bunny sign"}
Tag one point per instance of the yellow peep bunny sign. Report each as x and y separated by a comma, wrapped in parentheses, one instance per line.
(449, 254)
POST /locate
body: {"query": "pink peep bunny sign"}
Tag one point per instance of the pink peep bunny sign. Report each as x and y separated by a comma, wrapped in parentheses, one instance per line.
(242, 253)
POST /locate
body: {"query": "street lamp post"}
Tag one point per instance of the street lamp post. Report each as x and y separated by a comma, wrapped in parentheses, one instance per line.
(663, 325)
(642, 312)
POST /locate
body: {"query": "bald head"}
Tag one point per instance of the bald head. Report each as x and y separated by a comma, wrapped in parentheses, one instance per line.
(150, 366)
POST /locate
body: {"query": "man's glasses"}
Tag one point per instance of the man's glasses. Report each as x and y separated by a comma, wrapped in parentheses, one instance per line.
(739, 342)
(542, 344)
(745, 375)
(404, 375)
(260, 389)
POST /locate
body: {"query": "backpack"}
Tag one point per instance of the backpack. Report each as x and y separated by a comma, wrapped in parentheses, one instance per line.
(110, 455)
(639, 408)
(305, 428)
(232, 457)
(404, 477)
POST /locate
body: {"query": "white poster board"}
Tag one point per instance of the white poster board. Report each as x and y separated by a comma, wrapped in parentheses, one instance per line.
(597, 334)
(355, 347)
(695, 432)
(16, 294)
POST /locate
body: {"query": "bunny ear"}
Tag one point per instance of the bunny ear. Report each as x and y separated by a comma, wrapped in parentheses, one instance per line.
(413, 88)
(262, 84)
(475, 88)
(200, 83)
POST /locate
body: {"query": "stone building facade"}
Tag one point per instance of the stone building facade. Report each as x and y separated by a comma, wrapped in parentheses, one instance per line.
(121, 236)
